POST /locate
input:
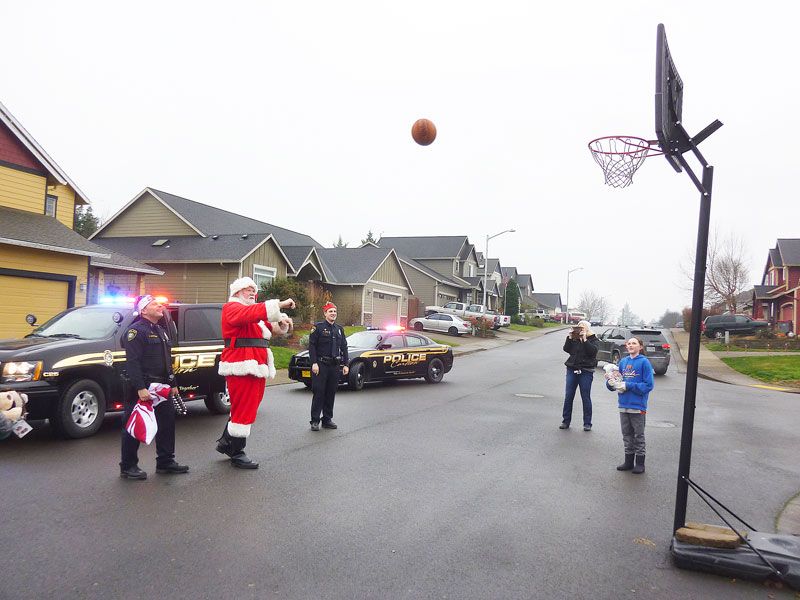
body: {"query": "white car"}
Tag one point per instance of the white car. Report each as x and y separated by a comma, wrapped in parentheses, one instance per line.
(451, 324)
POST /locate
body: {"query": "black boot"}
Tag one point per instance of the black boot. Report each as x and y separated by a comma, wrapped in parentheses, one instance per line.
(224, 442)
(639, 468)
(627, 465)
(239, 459)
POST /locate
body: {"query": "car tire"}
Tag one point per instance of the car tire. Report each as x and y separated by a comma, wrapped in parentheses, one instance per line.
(80, 410)
(219, 402)
(719, 335)
(660, 371)
(418, 326)
(435, 371)
(615, 357)
(355, 378)
(307, 384)
(452, 331)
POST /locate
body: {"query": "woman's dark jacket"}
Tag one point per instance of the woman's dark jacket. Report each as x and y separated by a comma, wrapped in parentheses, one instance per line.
(582, 355)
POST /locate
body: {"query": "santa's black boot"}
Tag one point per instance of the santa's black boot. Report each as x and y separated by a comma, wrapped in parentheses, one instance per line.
(627, 465)
(224, 442)
(239, 459)
(639, 468)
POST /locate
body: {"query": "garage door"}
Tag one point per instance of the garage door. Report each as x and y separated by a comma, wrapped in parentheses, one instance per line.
(23, 295)
(384, 309)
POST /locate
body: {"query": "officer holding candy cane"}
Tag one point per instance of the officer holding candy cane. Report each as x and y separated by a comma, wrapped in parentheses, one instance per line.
(148, 360)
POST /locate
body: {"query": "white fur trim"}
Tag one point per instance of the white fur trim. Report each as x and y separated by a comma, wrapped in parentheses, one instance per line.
(271, 364)
(273, 310)
(244, 367)
(238, 430)
(242, 283)
(265, 332)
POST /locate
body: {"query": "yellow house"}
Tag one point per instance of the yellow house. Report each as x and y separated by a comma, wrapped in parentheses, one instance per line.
(44, 263)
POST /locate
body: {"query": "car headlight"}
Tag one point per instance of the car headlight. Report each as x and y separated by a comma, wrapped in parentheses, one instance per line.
(15, 372)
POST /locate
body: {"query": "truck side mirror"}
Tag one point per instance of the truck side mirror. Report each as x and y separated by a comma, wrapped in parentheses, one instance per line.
(30, 319)
(117, 317)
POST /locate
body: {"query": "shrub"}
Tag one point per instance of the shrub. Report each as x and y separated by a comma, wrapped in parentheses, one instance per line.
(518, 319)
(304, 341)
(535, 322)
(282, 288)
(481, 327)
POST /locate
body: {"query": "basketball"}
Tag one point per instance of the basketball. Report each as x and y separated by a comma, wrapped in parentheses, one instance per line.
(424, 132)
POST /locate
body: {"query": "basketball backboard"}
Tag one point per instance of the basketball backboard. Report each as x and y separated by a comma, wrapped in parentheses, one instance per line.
(669, 102)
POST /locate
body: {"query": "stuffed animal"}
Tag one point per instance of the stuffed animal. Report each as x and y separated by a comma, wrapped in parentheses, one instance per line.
(614, 377)
(12, 410)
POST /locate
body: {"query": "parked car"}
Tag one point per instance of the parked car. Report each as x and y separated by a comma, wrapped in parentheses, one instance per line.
(451, 324)
(72, 367)
(383, 354)
(611, 346)
(717, 325)
(596, 322)
(577, 316)
(500, 320)
(539, 313)
(463, 310)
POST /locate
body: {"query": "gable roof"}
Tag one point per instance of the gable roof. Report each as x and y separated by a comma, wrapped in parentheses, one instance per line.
(418, 247)
(789, 250)
(33, 230)
(477, 283)
(510, 272)
(524, 279)
(52, 168)
(775, 257)
(548, 300)
(297, 255)
(354, 266)
(451, 281)
(189, 248)
(493, 264)
(208, 220)
(120, 262)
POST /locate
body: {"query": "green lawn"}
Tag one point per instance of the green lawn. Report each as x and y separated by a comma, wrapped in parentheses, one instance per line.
(771, 369)
(718, 347)
(282, 356)
(516, 327)
(446, 342)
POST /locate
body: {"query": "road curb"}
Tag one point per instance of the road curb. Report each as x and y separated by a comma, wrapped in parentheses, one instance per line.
(788, 520)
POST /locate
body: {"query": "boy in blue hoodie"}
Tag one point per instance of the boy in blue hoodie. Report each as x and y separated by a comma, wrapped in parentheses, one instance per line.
(633, 390)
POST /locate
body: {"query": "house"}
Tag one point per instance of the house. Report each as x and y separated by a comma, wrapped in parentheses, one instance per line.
(508, 274)
(368, 284)
(450, 256)
(431, 288)
(201, 249)
(549, 302)
(778, 296)
(525, 283)
(44, 263)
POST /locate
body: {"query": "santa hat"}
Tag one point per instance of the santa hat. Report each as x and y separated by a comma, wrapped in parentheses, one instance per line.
(242, 283)
(327, 307)
(142, 302)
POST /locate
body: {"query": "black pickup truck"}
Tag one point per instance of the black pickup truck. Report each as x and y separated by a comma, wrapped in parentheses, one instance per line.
(72, 367)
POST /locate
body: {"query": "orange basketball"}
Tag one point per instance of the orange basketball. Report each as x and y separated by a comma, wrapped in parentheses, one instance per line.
(424, 132)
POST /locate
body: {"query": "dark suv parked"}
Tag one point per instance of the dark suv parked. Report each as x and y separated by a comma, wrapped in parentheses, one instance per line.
(717, 325)
(611, 346)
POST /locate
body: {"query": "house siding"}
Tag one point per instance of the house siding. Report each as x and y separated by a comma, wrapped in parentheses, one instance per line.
(443, 266)
(267, 255)
(424, 286)
(193, 283)
(65, 207)
(348, 300)
(14, 152)
(23, 191)
(390, 272)
(147, 217)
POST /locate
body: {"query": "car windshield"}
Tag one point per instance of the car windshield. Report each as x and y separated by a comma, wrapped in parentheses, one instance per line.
(649, 336)
(365, 339)
(86, 323)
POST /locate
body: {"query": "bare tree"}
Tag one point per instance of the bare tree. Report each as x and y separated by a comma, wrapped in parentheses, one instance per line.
(628, 317)
(594, 305)
(669, 318)
(727, 274)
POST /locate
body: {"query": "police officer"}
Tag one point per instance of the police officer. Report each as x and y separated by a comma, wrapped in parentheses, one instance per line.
(148, 360)
(327, 349)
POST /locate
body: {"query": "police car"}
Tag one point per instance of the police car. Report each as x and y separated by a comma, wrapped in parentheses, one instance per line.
(382, 354)
(72, 367)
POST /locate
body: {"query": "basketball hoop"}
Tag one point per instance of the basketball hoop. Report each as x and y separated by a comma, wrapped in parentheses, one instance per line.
(620, 156)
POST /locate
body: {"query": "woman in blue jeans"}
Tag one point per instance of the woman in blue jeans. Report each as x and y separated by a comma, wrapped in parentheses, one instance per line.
(581, 345)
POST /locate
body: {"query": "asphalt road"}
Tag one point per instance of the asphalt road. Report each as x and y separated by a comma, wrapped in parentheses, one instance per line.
(465, 489)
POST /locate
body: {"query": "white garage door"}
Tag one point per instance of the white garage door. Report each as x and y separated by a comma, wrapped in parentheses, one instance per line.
(385, 309)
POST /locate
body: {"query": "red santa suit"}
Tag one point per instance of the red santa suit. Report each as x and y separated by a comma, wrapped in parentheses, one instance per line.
(246, 369)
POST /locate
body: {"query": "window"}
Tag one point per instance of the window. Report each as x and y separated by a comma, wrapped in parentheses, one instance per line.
(741, 319)
(393, 341)
(202, 324)
(445, 318)
(262, 275)
(453, 305)
(471, 270)
(50, 205)
(415, 341)
(455, 267)
(435, 317)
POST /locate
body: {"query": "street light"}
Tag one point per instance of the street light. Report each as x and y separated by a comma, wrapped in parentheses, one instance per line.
(486, 260)
(570, 272)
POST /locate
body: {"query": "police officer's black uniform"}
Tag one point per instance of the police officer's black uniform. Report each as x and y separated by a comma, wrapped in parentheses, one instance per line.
(327, 346)
(148, 360)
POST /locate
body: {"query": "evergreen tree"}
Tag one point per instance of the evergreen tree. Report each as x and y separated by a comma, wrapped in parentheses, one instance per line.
(370, 238)
(512, 298)
(340, 243)
(85, 221)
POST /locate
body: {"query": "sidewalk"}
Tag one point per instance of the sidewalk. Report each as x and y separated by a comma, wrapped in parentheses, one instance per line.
(711, 367)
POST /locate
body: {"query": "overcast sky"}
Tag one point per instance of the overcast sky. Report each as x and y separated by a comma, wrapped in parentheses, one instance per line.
(299, 114)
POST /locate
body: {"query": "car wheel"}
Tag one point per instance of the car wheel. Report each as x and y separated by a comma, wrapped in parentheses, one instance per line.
(418, 326)
(80, 410)
(660, 371)
(219, 402)
(355, 378)
(452, 331)
(719, 335)
(435, 371)
(615, 357)
(307, 384)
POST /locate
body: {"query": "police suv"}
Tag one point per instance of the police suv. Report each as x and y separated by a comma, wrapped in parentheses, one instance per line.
(73, 366)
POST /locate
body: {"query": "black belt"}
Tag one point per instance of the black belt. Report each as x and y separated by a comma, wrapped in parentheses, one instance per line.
(328, 360)
(158, 378)
(247, 343)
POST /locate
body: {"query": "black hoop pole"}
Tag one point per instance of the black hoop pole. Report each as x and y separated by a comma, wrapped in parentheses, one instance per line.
(698, 288)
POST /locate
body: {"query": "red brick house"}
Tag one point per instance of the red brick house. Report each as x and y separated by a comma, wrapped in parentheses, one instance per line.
(778, 296)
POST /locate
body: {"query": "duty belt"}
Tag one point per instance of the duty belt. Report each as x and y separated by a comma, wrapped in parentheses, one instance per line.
(328, 360)
(247, 343)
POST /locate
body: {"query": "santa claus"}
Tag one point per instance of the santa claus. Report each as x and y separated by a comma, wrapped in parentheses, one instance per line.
(247, 361)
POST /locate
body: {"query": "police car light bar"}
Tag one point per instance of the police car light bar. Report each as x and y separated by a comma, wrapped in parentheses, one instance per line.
(111, 299)
(394, 328)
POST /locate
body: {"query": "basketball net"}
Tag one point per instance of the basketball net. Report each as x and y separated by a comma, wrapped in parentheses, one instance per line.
(620, 156)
